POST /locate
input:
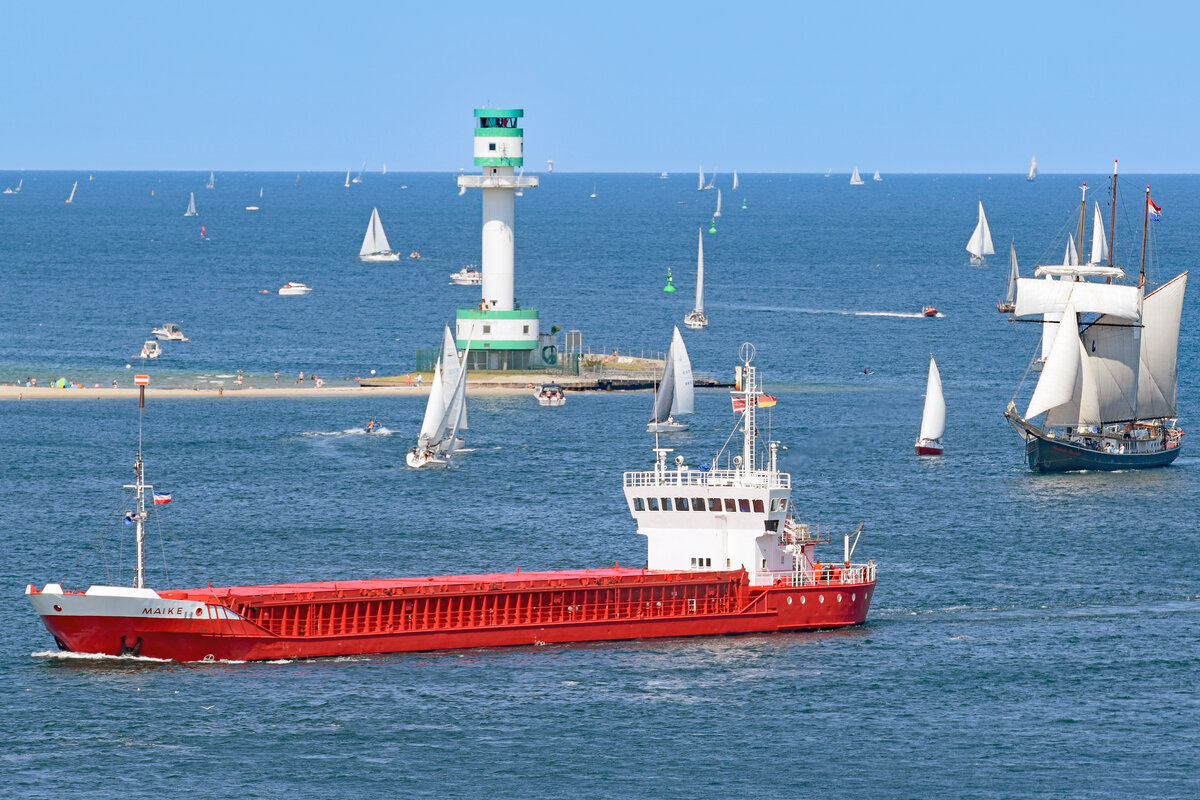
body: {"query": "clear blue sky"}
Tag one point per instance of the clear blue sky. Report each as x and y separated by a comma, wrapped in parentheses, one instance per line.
(606, 87)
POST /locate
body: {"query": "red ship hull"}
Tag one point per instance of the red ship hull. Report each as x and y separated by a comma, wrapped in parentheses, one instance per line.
(411, 614)
(928, 450)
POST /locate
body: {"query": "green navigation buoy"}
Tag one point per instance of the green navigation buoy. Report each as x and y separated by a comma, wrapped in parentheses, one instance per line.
(712, 228)
(670, 287)
(743, 204)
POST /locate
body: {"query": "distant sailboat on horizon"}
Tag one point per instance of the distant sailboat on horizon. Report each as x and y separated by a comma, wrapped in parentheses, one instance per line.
(855, 179)
(829, 172)
(211, 181)
(1032, 169)
(717, 213)
(191, 209)
(71, 198)
(593, 194)
(980, 243)
(876, 177)
(735, 180)
(695, 319)
(358, 178)
(700, 185)
(347, 183)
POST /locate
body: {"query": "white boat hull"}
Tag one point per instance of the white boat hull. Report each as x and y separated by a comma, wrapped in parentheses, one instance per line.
(695, 320)
(553, 402)
(380, 257)
(668, 427)
(419, 460)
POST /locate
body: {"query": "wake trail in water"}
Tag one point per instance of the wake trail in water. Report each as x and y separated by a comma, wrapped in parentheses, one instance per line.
(382, 431)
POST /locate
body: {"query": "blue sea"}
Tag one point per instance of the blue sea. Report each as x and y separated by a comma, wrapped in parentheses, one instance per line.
(1031, 635)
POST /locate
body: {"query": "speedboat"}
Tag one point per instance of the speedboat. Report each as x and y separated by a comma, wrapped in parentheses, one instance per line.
(294, 288)
(169, 332)
(551, 394)
(151, 349)
(928, 311)
(467, 276)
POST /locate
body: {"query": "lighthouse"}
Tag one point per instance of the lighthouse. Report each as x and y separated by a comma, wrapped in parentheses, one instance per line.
(501, 334)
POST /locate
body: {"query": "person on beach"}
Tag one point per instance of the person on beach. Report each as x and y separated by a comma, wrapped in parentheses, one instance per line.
(277, 376)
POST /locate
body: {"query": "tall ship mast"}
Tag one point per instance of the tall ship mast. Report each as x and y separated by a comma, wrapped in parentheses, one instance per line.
(1104, 396)
(726, 554)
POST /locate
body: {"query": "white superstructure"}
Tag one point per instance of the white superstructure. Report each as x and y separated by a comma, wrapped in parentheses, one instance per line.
(732, 515)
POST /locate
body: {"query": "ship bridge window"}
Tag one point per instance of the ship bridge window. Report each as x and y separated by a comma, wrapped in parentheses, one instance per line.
(697, 504)
(744, 506)
(639, 504)
(714, 504)
(681, 504)
(491, 145)
(774, 503)
(653, 501)
(730, 505)
(758, 506)
(666, 504)
(783, 504)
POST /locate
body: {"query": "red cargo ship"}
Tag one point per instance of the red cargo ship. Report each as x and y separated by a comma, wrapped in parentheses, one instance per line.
(725, 556)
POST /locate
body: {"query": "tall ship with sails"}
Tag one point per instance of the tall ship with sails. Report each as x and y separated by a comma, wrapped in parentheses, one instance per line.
(726, 554)
(1107, 366)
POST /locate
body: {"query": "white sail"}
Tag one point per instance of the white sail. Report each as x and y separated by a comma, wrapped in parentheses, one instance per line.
(700, 185)
(1056, 384)
(933, 416)
(1099, 240)
(980, 243)
(1071, 256)
(675, 394)
(433, 423)
(1157, 360)
(71, 197)
(374, 240)
(735, 180)
(347, 183)
(211, 181)
(1032, 168)
(450, 375)
(1111, 347)
(855, 179)
(1013, 273)
(455, 415)
(717, 213)
(1048, 296)
(191, 209)
(876, 177)
(384, 170)
(699, 309)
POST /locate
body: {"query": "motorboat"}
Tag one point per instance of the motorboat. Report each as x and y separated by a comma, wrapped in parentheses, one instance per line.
(150, 349)
(294, 288)
(467, 276)
(551, 394)
(169, 332)
(928, 311)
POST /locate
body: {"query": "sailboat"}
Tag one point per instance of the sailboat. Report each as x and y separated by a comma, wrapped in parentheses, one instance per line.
(455, 369)
(375, 245)
(980, 243)
(717, 213)
(675, 394)
(700, 185)
(735, 180)
(444, 416)
(211, 181)
(663, 176)
(384, 170)
(711, 181)
(1007, 305)
(1032, 169)
(17, 189)
(71, 197)
(876, 177)
(358, 178)
(593, 194)
(347, 183)
(191, 209)
(695, 318)
(855, 180)
(933, 416)
(829, 172)
(1106, 392)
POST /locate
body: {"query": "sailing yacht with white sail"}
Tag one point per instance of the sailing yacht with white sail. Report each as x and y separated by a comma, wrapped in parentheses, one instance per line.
(675, 395)
(717, 213)
(700, 185)
(856, 179)
(445, 412)
(1008, 304)
(191, 209)
(695, 318)
(375, 245)
(933, 416)
(876, 177)
(735, 180)
(1106, 392)
(1032, 169)
(347, 183)
(358, 178)
(980, 243)
(211, 181)
(711, 182)
(71, 197)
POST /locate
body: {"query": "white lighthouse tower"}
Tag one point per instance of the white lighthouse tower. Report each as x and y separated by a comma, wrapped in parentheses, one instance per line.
(502, 335)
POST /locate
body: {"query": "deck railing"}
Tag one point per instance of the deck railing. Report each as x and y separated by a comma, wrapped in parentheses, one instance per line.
(832, 575)
(713, 477)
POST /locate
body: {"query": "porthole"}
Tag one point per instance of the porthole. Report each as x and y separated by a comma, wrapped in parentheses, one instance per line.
(852, 597)
(839, 598)
(821, 597)
(789, 601)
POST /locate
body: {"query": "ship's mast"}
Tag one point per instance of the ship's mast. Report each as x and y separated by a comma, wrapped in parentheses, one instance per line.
(1145, 229)
(750, 392)
(139, 487)
(1112, 219)
(1082, 215)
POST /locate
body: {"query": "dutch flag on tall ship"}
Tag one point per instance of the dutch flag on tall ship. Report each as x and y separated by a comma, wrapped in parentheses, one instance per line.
(739, 402)
(1155, 211)
(162, 498)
